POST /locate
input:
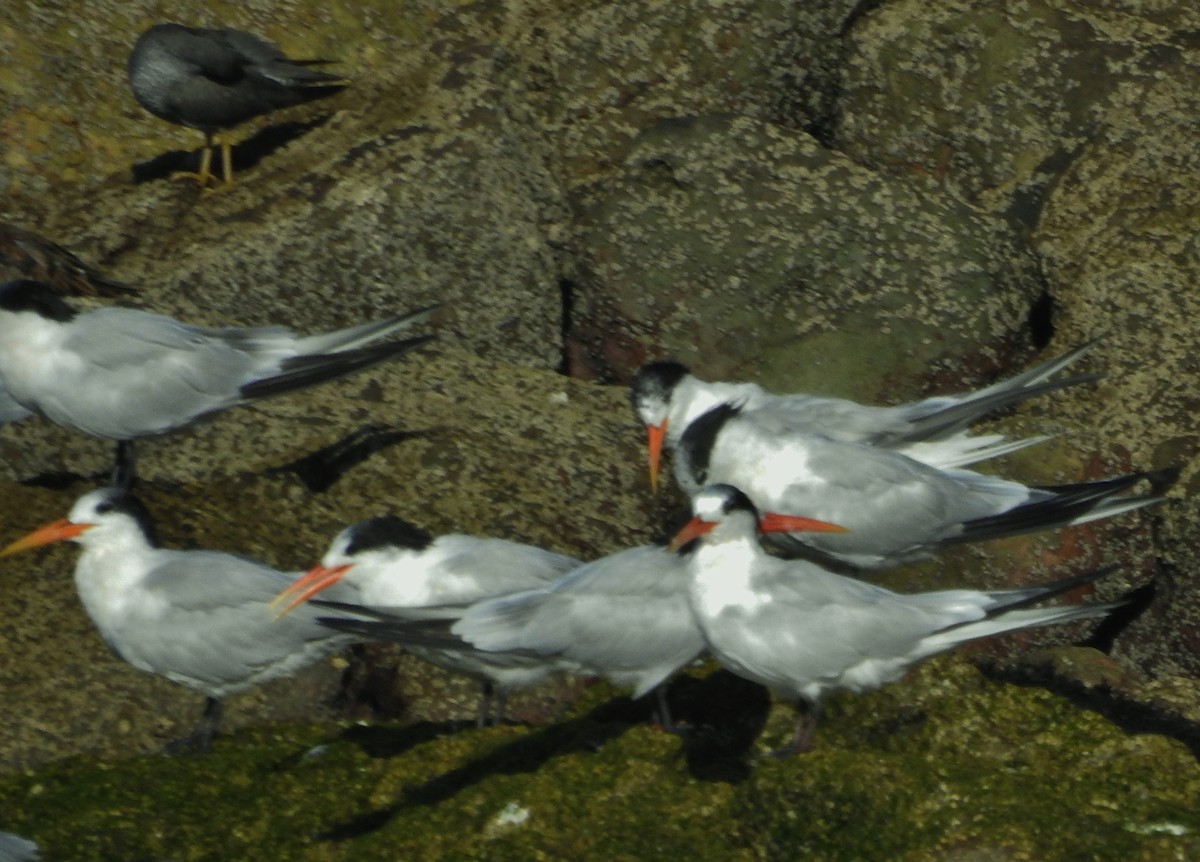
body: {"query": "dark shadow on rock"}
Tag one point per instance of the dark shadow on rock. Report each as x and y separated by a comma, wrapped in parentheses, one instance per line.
(1118, 703)
(382, 741)
(322, 468)
(1135, 603)
(60, 480)
(246, 154)
(719, 718)
(526, 754)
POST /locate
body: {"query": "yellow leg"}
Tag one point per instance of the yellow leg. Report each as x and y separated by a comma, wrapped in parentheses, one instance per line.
(204, 175)
(227, 162)
(226, 169)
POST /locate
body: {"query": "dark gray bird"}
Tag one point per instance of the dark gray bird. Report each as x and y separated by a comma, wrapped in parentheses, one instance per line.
(215, 79)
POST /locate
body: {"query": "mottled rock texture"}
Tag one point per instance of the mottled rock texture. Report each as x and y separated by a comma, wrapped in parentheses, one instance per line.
(878, 200)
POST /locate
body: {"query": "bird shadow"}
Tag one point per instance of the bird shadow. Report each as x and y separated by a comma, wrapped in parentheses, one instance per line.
(319, 470)
(718, 718)
(245, 155)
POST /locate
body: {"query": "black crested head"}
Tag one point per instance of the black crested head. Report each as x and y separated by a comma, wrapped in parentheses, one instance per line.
(120, 500)
(387, 531)
(697, 440)
(36, 296)
(656, 380)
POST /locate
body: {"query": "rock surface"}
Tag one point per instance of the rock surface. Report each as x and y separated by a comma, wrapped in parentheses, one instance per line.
(878, 201)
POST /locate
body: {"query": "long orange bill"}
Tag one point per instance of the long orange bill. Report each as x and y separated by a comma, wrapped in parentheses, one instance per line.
(771, 522)
(654, 445)
(693, 529)
(59, 531)
(317, 578)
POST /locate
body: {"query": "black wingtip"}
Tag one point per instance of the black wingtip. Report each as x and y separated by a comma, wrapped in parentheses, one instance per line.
(301, 372)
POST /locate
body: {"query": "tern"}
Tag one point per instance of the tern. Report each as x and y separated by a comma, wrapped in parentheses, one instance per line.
(215, 79)
(624, 617)
(121, 373)
(667, 398)
(896, 509)
(396, 569)
(803, 631)
(199, 618)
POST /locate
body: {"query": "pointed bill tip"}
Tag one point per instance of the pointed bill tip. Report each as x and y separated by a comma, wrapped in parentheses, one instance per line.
(693, 529)
(316, 580)
(57, 531)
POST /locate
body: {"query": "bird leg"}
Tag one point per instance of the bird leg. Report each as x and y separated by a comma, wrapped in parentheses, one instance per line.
(486, 691)
(489, 695)
(204, 175)
(201, 737)
(226, 170)
(807, 716)
(226, 162)
(125, 466)
(662, 710)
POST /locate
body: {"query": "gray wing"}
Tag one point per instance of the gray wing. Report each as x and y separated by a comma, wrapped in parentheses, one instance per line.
(888, 502)
(206, 623)
(475, 569)
(10, 410)
(135, 373)
(822, 630)
(623, 616)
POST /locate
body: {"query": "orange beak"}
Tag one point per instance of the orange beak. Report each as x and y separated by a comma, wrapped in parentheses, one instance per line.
(693, 529)
(59, 531)
(654, 444)
(317, 578)
(771, 522)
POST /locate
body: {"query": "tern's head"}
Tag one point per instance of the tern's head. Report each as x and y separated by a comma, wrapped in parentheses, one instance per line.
(34, 297)
(104, 515)
(722, 512)
(651, 393)
(374, 542)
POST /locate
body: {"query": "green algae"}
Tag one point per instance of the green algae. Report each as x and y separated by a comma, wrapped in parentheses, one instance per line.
(945, 765)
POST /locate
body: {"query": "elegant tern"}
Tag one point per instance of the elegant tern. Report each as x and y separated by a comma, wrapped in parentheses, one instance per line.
(667, 398)
(803, 631)
(896, 509)
(394, 567)
(199, 618)
(121, 373)
(215, 79)
(623, 617)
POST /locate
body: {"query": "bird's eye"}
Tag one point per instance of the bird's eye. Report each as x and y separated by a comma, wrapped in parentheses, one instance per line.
(104, 507)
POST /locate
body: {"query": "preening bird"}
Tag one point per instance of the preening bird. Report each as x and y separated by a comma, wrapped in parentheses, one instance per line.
(667, 398)
(624, 617)
(214, 79)
(121, 373)
(401, 572)
(198, 618)
(895, 509)
(803, 631)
